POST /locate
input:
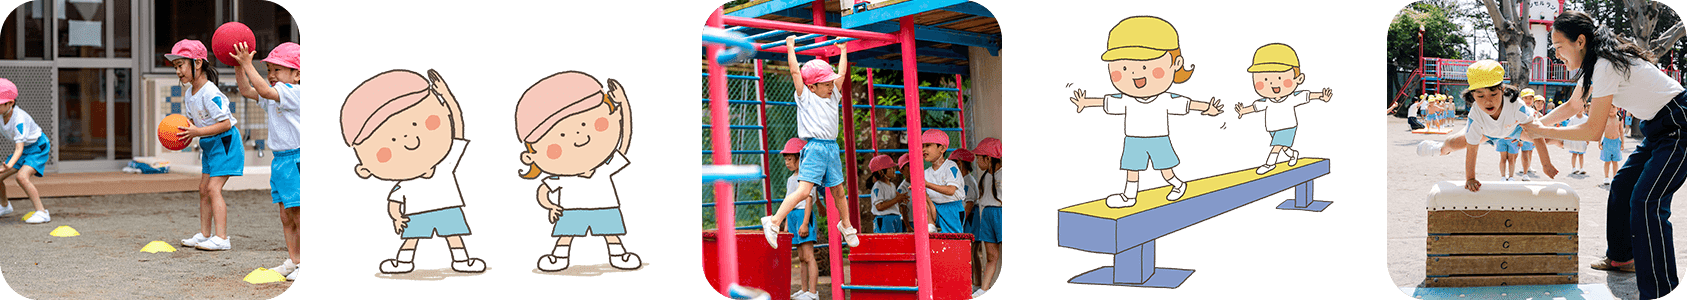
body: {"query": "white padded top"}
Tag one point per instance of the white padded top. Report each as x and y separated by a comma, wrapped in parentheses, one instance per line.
(1538, 196)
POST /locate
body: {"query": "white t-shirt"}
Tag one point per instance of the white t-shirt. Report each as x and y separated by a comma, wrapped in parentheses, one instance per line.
(817, 117)
(791, 184)
(987, 189)
(421, 195)
(207, 107)
(577, 192)
(884, 192)
(1280, 113)
(969, 186)
(21, 128)
(1645, 91)
(283, 117)
(1412, 110)
(1512, 114)
(1147, 117)
(946, 174)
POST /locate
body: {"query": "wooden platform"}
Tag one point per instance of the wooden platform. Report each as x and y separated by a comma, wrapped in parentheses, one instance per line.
(106, 183)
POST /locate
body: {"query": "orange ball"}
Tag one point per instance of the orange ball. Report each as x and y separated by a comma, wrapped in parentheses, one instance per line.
(168, 128)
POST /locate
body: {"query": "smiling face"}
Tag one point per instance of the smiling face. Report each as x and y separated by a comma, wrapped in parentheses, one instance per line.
(279, 73)
(408, 144)
(1143, 78)
(578, 143)
(1277, 84)
(1569, 50)
(1490, 99)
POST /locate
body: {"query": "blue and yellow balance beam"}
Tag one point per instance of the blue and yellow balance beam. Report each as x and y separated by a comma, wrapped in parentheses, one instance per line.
(1129, 233)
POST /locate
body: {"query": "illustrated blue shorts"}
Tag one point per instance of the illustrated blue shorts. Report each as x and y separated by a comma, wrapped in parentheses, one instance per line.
(949, 217)
(35, 155)
(820, 163)
(444, 222)
(1527, 145)
(1610, 150)
(603, 221)
(1283, 137)
(284, 178)
(989, 225)
(1140, 150)
(793, 222)
(887, 224)
(222, 155)
(1505, 145)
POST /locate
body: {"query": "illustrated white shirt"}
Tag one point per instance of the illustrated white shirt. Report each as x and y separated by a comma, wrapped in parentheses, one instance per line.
(596, 192)
(1146, 117)
(283, 117)
(817, 117)
(945, 174)
(21, 128)
(791, 184)
(987, 190)
(421, 195)
(1643, 92)
(884, 192)
(1280, 113)
(207, 106)
(1512, 114)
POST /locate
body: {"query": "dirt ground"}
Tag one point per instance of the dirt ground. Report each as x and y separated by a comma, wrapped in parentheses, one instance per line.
(1410, 176)
(105, 262)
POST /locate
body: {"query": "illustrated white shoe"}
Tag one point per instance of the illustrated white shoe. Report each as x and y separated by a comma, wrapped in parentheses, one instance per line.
(849, 235)
(194, 241)
(551, 263)
(1294, 156)
(769, 231)
(1265, 168)
(1119, 201)
(294, 275)
(286, 267)
(40, 216)
(1177, 192)
(628, 261)
(214, 243)
(1429, 148)
(393, 266)
(473, 265)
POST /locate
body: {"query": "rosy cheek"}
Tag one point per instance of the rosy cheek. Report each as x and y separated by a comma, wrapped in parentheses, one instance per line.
(1117, 76)
(1259, 85)
(433, 122)
(602, 124)
(1288, 84)
(554, 151)
(1159, 73)
(384, 155)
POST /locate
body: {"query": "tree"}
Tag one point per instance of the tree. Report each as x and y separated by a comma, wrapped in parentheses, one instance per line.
(1441, 38)
(1512, 29)
(1621, 16)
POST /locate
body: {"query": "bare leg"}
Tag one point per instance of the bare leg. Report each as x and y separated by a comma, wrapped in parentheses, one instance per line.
(1525, 158)
(28, 185)
(790, 203)
(810, 272)
(3, 196)
(842, 206)
(564, 240)
(290, 229)
(219, 209)
(205, 207)
(1167, 174)
(992, 264)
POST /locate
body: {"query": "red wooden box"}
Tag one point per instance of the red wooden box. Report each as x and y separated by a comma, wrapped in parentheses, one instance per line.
(759, 266)
(888, 260)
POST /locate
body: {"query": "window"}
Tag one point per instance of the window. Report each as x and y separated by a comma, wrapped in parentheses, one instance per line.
(23, 35)
(198, 20)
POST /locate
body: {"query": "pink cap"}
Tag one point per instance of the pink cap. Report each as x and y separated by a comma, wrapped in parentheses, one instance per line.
(902, 161)
(961, 155)
(551, 99)
(8, 91)
(189, 49)
(816, 71)
(794, 146)
(991, 147)
(934, 136)
(880, 162)
(286, 55)
(377, 99)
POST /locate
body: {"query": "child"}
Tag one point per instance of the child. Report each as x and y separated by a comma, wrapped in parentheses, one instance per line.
(280, 100)
(584, 134)
(963, 160)
(1143, 69)
(943, 181)
(220, 152)
(1577, 148)
(988, 154)
(1611, 146)
(1537, 106)
(1276, 72)
(29, 156)
(1496, 116)
(1433, 113)
(904, 192)
(817, 100)
(409, 129)
(887, 215)
(804, 239)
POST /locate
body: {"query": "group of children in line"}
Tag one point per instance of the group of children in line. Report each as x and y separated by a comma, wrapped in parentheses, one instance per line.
(1436, 111)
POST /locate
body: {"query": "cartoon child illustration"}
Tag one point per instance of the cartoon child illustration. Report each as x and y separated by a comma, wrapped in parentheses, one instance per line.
(1276, 71)
(1144, 60)
(577, 137)
(409, 129)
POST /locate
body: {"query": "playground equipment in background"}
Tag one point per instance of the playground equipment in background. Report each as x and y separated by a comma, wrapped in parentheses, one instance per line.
(728, 272)
(1510, 233)
(1129, 233)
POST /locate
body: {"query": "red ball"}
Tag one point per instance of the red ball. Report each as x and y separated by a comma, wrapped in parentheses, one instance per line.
(222, 43)
(168, 128)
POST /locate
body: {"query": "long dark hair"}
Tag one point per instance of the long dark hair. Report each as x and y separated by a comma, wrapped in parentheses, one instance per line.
(206, 67)
(995, 164)
(1602, 43)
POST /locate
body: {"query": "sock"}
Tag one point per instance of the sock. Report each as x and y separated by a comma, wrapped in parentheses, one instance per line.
(1271, 158)
(560, 251)
(459, 254)
(615, 249)
(1176, 184)
(406, 255)
(1130, 190)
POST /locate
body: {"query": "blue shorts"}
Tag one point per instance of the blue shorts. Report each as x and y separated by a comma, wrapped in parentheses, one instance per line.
(284, 178)
(820, 163)
(444, 222)
(989, 225)
(793, 222)
(1283, 137)
(222, 155)
(35, 155)
(576, 222)
(949, 217)
(1139, 150)
(887, 224)
(1527, 145)
(1505, 145)
(1610, 149)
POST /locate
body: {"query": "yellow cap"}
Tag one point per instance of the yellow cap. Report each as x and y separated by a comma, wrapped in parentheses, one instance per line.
(1527, 93)
(1140, 38)
(1485, 73)
(1275, 57)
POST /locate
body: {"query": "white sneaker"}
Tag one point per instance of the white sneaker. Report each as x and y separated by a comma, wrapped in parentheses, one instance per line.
(1294, 156)
(1265, 168)
(1119, 201)
(40, 216)
(393, 266)
(1429, 148)
(978, 293)
(806, 295)
(473, 265)
(769, 231)
(1607, 181)
(628, 261)
(214, 243)
(931, 228)
(294, 275)
(849, 235)
(551, 263)
(6, 210)
(286, 267)
(1177, 192)
(194, 241)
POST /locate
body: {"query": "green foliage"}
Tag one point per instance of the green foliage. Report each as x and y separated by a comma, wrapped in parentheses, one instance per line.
(1441, 36)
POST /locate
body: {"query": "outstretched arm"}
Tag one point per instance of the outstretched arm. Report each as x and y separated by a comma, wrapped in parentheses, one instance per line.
(444, 92)
(1470, 182)
(791, 61)
(1244, 110)
(843, 67)
(1210, 108)
(1078, 99)
(1327, 93)
(618, 96)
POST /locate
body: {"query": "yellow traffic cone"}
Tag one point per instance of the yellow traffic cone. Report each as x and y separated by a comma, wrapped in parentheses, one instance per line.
(262, 275)
(65, 231)
(158, 246)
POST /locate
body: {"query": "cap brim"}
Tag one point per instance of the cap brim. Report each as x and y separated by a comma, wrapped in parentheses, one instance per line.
(827, 78)
(1269, 67)
(1132, 53)
(175, 57)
